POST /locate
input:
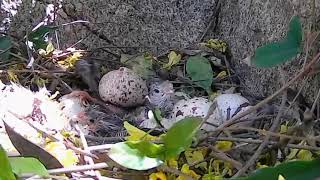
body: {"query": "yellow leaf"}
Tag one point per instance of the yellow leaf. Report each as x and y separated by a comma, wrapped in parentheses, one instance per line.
(71, 60)
(12, 76)
(174, 59)
(284, 128)
(194, 156)
(259, 165)
(158, 176)
(39, 81)
(211, 177)
(50, 48)
(222, 74)
(223, 145)
(185, 169)
(65, 156)
(280, 177)
(173, 163)
(216, 44)
(304, 155)
(221, 167)
(136, 134)
(293, 153)
(213, 95)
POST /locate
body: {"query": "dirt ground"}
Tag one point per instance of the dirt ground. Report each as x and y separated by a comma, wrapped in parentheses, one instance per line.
(161, 25)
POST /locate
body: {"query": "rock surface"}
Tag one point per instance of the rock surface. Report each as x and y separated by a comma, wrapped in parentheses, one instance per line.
(160, 25)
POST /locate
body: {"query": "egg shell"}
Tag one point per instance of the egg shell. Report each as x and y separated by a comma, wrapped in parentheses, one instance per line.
(123, 87)
(228, 105)
(196, 107)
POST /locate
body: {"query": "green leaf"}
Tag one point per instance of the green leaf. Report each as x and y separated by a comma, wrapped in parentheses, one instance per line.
(5, 168)
(5, 45)
(142, 65)
(294, 170)
(179, 136)
(200, 71)
(275, 53)
(38, 37)
(147, 148)
(27, 165)
(132, 158)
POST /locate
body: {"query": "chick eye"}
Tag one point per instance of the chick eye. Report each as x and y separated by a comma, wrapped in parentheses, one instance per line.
(156, 90)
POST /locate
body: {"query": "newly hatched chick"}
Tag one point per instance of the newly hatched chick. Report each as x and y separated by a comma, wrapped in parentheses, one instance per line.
(161, 95)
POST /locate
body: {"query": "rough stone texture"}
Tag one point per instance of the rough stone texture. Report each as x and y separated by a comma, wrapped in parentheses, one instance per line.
(161, 25)
(247, 24)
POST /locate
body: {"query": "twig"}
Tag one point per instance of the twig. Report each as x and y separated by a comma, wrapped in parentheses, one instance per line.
(85, 147)
(78, 168)
(273, 128)
(222, 156)
(258, 141)
(302, 73)
(174, 171)
(315, 102)
(264, 132)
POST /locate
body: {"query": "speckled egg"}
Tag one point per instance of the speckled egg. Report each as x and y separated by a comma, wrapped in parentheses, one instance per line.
(123, 87)
(197, 106)
(227, 106)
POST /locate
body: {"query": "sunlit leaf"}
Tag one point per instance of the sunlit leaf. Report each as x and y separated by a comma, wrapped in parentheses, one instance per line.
(179, 136)
(136, 134)
(174, 59)
(158, 176)
(185, 169)
(200, 71)
(194, 156)
(5, 45)
(12, 76)
(71, 60)
(216, 44)
(27, 148)
(132, 158)
(65, 156)
(5, 167)
(275, 53)
(304, 155)
(147, 148)
(223, 145)
(23, 165)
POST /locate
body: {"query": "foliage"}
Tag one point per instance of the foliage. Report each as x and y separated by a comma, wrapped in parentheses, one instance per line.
(39, 36)
(200, 71)
(132, 158)
(5, 45)
(174, 59)
(142, 65)
(24, 165)
(180, 135)
(294, 170)
(278, 52)
(142, 154)
(5, 167)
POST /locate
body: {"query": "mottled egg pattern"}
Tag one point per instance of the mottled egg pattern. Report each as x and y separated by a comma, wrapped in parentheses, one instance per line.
(123, 87)
(193, 107)
(231, 104)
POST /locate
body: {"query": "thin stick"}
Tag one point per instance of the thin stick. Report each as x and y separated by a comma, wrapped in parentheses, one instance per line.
(222, 156)
(78, 168)
(175, 171)
(265, 141)
(258, 141)
(269, 98)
